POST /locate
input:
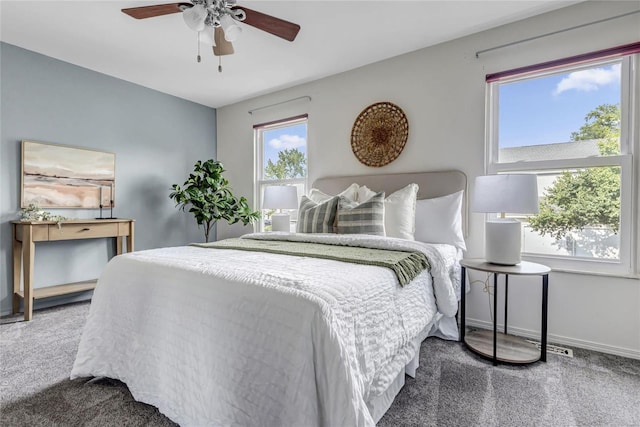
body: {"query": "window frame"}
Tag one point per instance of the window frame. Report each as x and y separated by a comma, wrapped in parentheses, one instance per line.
(627, 263)
(259, 180)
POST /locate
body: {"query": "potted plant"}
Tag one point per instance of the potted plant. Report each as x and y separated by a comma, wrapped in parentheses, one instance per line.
(210, 197)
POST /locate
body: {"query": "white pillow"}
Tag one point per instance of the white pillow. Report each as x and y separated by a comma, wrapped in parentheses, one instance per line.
(351, 193)
(399, 210)
(364, 193)
(439, 220)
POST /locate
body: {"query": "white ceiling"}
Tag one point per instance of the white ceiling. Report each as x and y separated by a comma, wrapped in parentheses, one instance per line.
(160, 53)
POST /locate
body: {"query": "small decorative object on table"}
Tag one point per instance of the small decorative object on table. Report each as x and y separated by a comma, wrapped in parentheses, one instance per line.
(34, 213)
(111, 198)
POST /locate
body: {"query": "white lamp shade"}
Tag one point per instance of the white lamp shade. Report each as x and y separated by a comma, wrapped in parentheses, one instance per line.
(231, 28)
(194, 17)
(511, 193)
(280, 197)
(206, 36)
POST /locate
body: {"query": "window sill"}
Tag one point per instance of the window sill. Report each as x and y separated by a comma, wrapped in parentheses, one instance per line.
(585, 267)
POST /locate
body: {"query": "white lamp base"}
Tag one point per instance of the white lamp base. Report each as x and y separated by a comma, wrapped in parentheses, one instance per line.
(503, 241)
(281, 222)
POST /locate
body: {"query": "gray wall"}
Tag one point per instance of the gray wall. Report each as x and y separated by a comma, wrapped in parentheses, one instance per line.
(156, 138)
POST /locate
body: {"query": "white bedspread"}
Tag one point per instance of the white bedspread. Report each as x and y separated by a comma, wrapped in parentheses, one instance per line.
(226, 337)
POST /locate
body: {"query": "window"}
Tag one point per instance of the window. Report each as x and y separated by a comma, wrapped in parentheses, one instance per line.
(571, 126)
(281, 159)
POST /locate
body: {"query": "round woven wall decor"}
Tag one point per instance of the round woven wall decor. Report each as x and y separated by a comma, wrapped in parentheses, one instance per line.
(379, 134)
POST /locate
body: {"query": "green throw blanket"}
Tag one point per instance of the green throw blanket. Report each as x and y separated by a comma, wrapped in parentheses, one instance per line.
(406, 265)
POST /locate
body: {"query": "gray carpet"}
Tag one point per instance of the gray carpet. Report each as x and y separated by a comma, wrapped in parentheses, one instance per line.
(452, 388)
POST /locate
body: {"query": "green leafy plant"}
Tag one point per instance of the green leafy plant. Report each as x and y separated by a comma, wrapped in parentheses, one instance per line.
(210, 197)
(34, 212)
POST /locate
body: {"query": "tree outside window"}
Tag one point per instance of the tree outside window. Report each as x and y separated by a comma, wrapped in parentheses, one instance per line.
(587, 199)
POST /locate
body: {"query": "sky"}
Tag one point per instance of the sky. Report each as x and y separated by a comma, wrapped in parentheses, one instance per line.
(284, 138)
(546, 110)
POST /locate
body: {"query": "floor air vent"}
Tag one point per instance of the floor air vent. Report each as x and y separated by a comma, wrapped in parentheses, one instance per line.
(554, 349)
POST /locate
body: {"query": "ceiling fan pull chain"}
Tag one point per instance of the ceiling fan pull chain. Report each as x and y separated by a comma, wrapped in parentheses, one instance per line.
(198, 41)
(219, 64)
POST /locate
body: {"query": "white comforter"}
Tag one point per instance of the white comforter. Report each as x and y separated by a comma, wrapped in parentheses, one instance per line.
(224, 337)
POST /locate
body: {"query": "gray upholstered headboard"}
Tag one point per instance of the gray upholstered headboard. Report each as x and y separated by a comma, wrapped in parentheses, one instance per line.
(432, 184)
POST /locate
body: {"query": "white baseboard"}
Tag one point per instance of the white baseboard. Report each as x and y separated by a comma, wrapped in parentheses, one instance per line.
(559, 339)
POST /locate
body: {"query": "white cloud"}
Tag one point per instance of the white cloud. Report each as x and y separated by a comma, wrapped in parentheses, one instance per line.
(285, 142)
(589, 80)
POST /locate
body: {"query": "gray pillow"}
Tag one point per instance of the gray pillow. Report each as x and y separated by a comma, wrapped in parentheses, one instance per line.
(363, 218)
(316, 217)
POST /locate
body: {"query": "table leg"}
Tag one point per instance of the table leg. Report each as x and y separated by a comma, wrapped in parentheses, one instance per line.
(463, 289)
(130, 241)
(506, 300)
(28, 254)
(118, 245)
(543, 338)
(495, 319)
(17, 270)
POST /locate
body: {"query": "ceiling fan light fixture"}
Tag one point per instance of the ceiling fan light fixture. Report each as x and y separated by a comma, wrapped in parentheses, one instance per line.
(231, 29)
(194, 17)
(220, 17)
(206, 36)
(239, 14)
(222, 46)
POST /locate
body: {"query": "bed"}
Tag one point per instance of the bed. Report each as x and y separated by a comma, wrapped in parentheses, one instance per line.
(232, 337)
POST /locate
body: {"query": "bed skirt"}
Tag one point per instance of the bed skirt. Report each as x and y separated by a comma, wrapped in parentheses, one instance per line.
(379, 405)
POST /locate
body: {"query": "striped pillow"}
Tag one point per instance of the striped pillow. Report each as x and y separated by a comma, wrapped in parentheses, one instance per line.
(316, 217)
(363, 218)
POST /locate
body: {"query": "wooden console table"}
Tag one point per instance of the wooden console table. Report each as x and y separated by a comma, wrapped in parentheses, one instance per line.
(26, 233)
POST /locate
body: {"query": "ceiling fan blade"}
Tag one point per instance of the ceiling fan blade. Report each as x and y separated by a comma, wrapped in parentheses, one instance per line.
(222, 47)
(156, 10)
(276, 26)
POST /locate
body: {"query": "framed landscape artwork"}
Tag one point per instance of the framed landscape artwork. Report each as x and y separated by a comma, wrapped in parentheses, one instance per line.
(58, 176)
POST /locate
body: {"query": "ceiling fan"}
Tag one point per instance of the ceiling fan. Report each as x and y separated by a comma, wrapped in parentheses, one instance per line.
(216, 21)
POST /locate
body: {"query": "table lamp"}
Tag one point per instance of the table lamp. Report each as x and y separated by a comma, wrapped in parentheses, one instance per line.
(509, 193)
(280, 197)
